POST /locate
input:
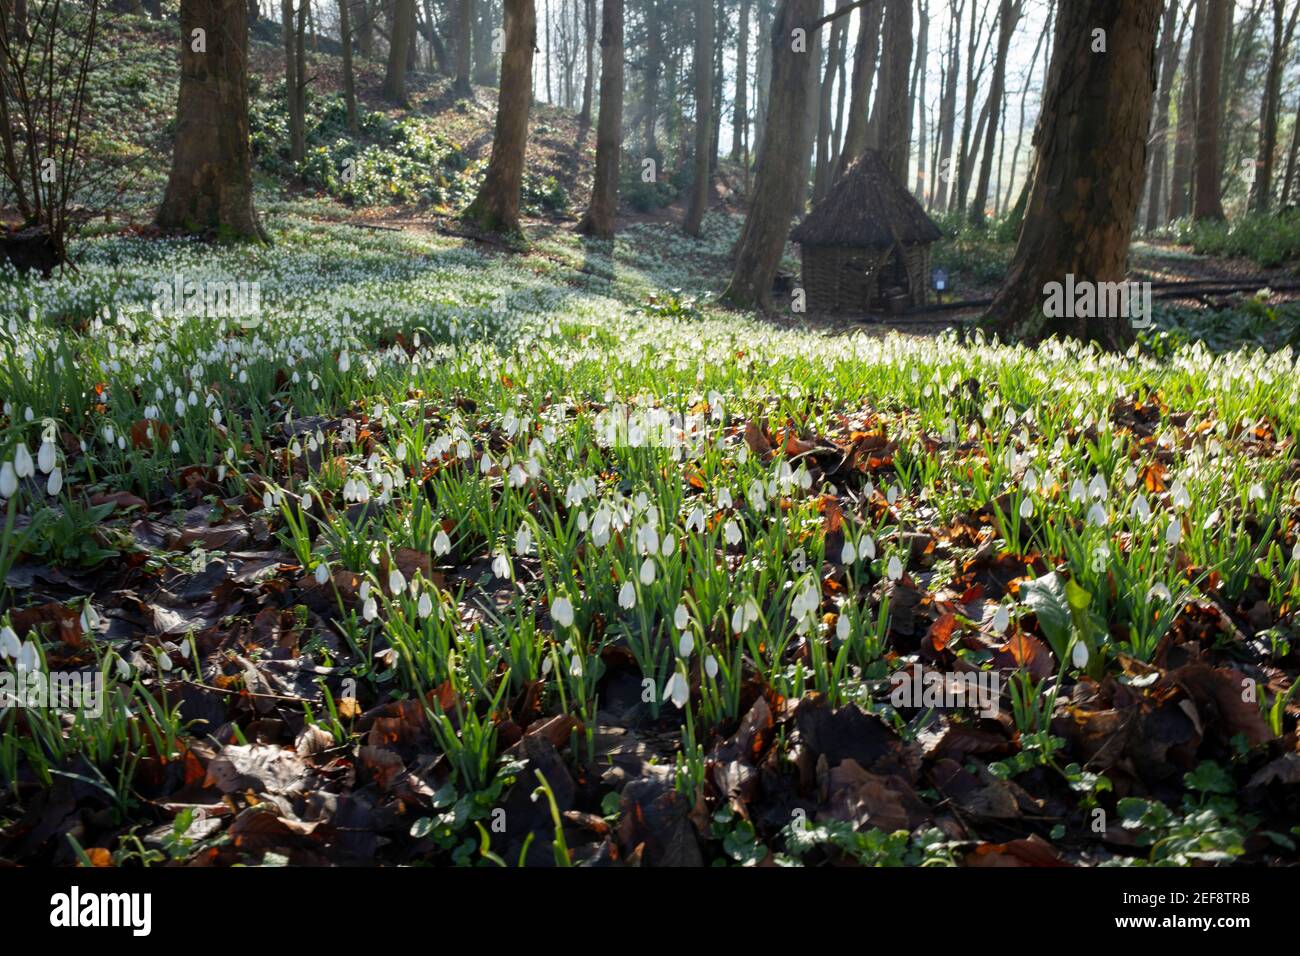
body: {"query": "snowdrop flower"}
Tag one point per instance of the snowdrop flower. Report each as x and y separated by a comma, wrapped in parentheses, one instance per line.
(681, 618)
(1174, 533)
(842, 627)
(28, 657)
(1001, 619)
(45, 457)
(627, 595)
(396, 581)
(711, 666)
(370, 609)
(1295, 552)
(1159, 591)
(895, 569)
(1097, 515)
(425, 606)
(501, 565)
(345, 361)
(1179, 495)
(1027, 508)
(1097, 487)
(685, 644)
(678, 691)
(756, 497)
(695, 520)
(1077, 491)
(744, 616)
(669, 545)
(1141, 509)
(1079, 655)
(10, 646)
(648, 571)
(724, 498)
(322, 573)
(54, 484)
(867, 548)
(848, 554)
(731, 532)
(1256, 492)
(8, 480)
(441, 543)
(523, 540)
(575, 666)
(89, 617)
(562, 612)
(23, 466)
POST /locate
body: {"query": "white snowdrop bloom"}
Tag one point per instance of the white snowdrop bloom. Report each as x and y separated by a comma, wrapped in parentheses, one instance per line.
(89, 617)
(441, 543)
(108, 434)
(485, 463)
(10, 646)
(681, 617)
(1130, 476)
(23, 465)
(711, 666)
(123, 669)
(562, 612)
(28, 657)
(1027, 508)
(1097, 487)
(1097, 515)
(1174, 533)
(176, 447)
(848, 554)
(731, 532)
(523, 540)
(501, 565)
(397, 581)
(1215, 516)
(1031, 480)
(322, 573)
(895, 569)
(463, 450)
(1256, 492)
(678, 691)
(54, 484)
(648, 571)
(756, 496)
(268, 501)
(843, 626)
(867, 548)
(1001, 619)
(45, 457)
(518, 477)
(1295, 551)
(744, 615)
(695, 520)
(1179, 495)
(892, 495)
(1079, 655)
(575, 666)
(669, 545)
(627, 595)
(648, 539)
(8, 480)
(685, 644)
(425, 606)
(364, 591)
(370, 609)
(724, 498)
(345, 361)
(1077, 491)
(1159, 591)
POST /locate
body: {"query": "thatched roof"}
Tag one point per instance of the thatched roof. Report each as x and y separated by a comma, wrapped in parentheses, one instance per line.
(866, 207)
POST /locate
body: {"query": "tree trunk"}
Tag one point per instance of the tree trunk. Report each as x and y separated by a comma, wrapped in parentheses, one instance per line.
(740, 112)
(496, 207)
(948, 111)
(464, 39)
(762, 72)
(365, 29)
(653, 67)
(1292, 162)
(919, 101)
(292, 88)
(864, 69)
(1270, 107)
(1208, 202)
(589, 75)
(822, 171)
(1009, 14)
(599, 219)
(484, 59)
(776, 184)
(1092, 138)
(399, 41)
(349, 77)
(890, 131)
(1180, 189)
(210, 187)
(964, 156)
(702, 66)
(1171, 44)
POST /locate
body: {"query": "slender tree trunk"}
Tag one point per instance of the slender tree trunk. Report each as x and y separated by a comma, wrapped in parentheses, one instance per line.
(1271, 106)
(776, 183)
(1009, 14)
(1092, 138)
(349, 77)
(484, 58)
(1292, 162)
(210, 187)
(1171, 35)
(948, 110)
(600, 216)
(365, 29)
(653, 67)
(822, 171)
(292, 81)
(398, 52)
(702, 66)
(740, 114)
(762, 73)
(589, 75)
(972, 82)
(1209, 113)
(891, 112)
(919, 100)
(1180, 190)
(464, 41)
(496, 207)
(864, 69)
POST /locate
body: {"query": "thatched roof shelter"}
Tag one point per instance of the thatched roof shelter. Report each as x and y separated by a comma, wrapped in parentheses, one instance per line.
(866, 245)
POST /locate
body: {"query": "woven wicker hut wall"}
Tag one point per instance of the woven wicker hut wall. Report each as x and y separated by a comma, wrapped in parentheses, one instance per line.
(866, 246)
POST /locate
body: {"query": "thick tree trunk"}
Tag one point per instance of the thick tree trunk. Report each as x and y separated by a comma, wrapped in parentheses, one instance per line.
(776, 183)
(398, 52)
(762, 72)
(210, 188)
(599, 219)
(1009, 13)
(1092, 139)
(890, 131)
(740, 113)
(864, 69)
(496, 207)
(589, 74)
(365, 28)
(702, 67)
(1208, 202)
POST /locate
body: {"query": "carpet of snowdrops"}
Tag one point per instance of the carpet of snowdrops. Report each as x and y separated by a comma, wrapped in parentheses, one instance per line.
(448, 555)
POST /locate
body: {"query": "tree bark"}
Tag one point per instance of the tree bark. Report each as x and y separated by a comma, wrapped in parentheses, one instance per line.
(653, 67)
(740, 112)
(776, 184)
(919, 101)
(864, 69)
(890, 131)
(702, 66)
(1262, 198)
(948, 110)
(822, 171)
(484, 59)
(496, 207)
(1171, 35)
(289, 29)
(349, 76)
(1180, 188)
(1208, 202)
(1092, 141)
(1292, 163)
(210, 187)
(1009, 14)
(589, 75)
(399, 42)
(601, 212)
(464, 40)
